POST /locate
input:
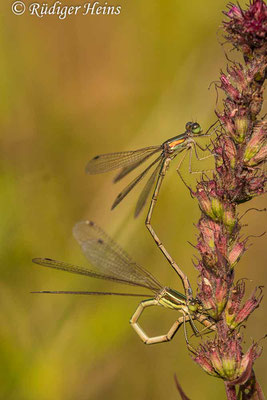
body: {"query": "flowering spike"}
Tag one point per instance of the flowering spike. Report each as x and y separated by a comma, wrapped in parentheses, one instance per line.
(241, 128)
(240, 150)
(234, 313)
(256, 149)
(223, 356)
(247, 29)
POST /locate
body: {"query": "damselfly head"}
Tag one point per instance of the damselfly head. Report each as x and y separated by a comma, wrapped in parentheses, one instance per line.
(193, 128)
(194, 305)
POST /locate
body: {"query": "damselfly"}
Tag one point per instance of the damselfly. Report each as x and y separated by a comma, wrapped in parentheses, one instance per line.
(129, 160)
(114, 264)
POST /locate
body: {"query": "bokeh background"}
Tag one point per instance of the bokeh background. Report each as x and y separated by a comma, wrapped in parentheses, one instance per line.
(70, 90)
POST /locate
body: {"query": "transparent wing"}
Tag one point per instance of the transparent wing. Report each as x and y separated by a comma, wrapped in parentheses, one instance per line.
(83, 292)
(132, 184)
(146, 191)
(62, 266)
(110, 161)
(109, 258)
(126, 170)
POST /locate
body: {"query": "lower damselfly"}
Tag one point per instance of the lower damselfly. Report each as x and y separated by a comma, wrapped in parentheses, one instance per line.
(130, 160)
(112, 263)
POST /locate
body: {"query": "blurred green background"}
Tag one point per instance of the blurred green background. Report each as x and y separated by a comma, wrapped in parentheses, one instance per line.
(70, 90)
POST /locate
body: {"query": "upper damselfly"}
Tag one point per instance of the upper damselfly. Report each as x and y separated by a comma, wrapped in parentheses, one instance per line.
(114, 264)
(129, 160)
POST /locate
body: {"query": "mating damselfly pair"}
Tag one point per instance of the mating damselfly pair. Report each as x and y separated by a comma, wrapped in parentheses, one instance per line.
(130, 160)
(112, 262)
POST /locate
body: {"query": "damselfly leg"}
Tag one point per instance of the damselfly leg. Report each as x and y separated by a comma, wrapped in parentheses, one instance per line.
(204, 320)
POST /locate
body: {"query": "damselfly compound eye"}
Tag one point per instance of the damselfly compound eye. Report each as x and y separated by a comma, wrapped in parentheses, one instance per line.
(188, 126)
(193, 305)
(196, 128)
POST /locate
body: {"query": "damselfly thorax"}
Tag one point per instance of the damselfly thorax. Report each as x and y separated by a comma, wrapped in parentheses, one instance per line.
(177, 144)
(170, 298)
